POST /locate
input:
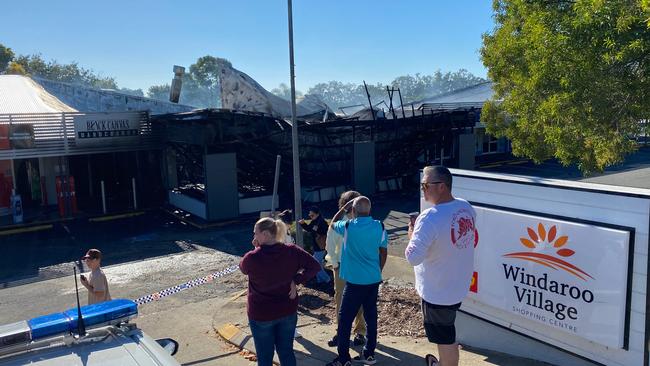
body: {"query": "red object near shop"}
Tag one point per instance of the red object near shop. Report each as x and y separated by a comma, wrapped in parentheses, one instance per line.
(59, 196)
(473, 287)
(4, 137)
(5, 190)
(73, 194)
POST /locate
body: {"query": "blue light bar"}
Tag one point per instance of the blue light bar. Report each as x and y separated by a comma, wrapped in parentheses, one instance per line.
(96, 314)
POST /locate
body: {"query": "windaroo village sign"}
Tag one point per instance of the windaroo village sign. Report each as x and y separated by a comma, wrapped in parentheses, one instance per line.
(556, 261)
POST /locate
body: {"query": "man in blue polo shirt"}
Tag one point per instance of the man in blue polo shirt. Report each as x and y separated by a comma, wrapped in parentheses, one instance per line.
(363, 256)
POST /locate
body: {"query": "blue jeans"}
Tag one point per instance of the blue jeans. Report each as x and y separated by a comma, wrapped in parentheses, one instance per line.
(275, 334)
(354, 297)
(321, 276)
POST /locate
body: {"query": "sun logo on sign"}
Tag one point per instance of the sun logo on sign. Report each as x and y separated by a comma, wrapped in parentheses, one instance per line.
(542, 240)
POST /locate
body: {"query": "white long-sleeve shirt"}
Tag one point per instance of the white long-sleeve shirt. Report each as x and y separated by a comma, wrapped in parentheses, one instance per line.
(442, 252)
(333, 246)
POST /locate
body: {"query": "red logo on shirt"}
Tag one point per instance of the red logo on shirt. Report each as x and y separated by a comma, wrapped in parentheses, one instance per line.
(463, 231)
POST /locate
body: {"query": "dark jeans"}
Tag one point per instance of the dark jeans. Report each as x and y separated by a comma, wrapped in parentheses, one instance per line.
(354, 297)
(275, 334)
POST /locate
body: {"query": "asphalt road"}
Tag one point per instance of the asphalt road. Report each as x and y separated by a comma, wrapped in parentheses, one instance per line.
(37, 256)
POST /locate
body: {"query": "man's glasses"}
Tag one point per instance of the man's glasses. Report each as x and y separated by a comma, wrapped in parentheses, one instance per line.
(425, 185)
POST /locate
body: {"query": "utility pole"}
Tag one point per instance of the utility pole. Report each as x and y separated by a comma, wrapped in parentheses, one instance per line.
(297, 212)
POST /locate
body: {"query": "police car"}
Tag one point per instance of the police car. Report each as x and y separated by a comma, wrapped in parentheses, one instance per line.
(103, 337)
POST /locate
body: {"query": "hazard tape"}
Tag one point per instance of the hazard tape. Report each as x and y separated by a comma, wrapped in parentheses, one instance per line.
(187, 285)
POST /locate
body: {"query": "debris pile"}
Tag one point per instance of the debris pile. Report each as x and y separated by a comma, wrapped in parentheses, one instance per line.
(399, 309)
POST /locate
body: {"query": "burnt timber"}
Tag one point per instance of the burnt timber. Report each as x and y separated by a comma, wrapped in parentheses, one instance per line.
(402, 145)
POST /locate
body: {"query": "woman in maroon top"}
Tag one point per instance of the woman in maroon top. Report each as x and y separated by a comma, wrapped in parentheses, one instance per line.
(274, 269)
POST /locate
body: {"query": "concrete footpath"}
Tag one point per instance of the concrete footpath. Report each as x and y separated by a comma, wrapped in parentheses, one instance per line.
(193, 316)
(196, 324)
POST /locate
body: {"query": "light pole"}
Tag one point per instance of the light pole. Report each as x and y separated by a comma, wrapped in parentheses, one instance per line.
(297, 212)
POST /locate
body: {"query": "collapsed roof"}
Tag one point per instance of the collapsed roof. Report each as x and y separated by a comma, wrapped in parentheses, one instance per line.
(241, 92)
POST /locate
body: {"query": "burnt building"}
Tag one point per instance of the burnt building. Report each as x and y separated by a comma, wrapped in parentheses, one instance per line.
(368, 154)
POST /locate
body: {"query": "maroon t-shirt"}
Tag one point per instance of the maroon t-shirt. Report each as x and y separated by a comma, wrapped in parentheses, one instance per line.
(270, 270)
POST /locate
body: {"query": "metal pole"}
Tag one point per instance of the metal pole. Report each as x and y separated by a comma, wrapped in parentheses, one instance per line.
(275, 184)
(401, 103)
(13, 175)
(65, 133)
(390, 97)
(369, 102)
(135, 197)
(294, 134)
(103, 197)
(11, 146)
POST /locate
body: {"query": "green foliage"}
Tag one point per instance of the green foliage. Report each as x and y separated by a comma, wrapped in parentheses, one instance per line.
(15, 69)
(71, 73)
(200, 85)
(206, 70)
(417, 87)
(6, 57)
(413, 88)
(337, 94)
(571, 77)
(134, 92)
(160, 92)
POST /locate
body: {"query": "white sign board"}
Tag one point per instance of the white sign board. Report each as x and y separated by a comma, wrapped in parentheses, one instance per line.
(561, 262)
(567, 275)
(107, 128)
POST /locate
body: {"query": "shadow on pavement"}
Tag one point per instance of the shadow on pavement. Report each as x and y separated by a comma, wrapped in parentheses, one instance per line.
(39, 255)
(35, 256)
(501, 358)
(204, 360)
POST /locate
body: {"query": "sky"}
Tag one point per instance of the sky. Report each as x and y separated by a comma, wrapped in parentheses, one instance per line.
(138, 42)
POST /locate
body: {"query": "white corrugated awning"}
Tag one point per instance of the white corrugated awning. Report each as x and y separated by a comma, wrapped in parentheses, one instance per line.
(20, 94)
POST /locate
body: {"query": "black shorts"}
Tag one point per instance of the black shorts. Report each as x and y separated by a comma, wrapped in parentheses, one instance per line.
(439, 322)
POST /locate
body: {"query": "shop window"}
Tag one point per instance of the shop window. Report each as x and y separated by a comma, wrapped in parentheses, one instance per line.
(490, 144)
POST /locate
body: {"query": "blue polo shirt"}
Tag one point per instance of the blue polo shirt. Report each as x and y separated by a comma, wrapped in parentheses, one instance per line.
(360, 250)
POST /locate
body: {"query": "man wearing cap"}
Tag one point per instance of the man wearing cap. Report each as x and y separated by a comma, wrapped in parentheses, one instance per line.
(96, 283)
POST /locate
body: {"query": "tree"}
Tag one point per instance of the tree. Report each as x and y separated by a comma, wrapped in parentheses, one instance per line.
(418, 86)
(15, 69)
(160, 92)
(571, 78)
(191, 93)
(204, 77)
(6, 56)
(413, 88)
(200, 85)
(337, 94)
(71, 73)
(134, 92)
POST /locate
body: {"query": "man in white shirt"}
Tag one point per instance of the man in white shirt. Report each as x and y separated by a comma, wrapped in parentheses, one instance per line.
(441, 249)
